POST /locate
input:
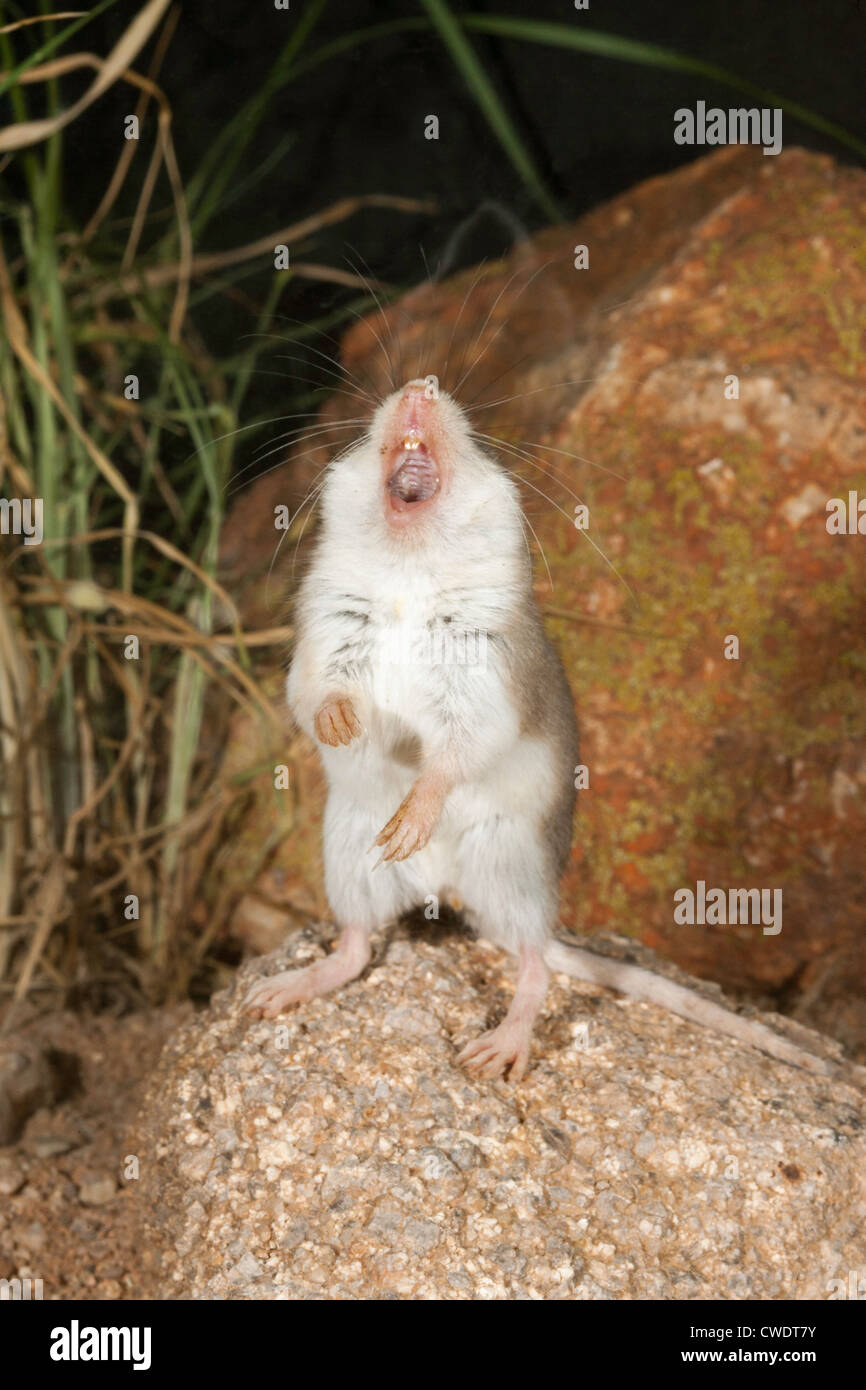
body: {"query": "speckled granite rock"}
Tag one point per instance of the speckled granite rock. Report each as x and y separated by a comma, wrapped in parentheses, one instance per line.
(339, 1152)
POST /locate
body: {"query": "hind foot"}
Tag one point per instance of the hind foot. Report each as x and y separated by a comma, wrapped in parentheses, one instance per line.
(271, 996)
(506, 1048)
(503, 1048)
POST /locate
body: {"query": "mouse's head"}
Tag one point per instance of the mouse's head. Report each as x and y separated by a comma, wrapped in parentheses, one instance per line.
(418, 477)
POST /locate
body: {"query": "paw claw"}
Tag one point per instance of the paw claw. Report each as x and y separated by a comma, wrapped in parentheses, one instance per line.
(505, 1048)
(269, 997)
(336, 723)
(409, 828)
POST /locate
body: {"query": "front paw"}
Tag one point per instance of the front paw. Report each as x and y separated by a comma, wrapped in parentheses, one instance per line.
(336, 722)
(410, 827)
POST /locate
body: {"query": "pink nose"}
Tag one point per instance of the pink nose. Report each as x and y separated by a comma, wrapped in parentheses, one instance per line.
(415, 405)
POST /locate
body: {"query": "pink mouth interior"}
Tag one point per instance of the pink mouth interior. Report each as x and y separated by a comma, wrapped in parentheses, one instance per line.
(415, 478)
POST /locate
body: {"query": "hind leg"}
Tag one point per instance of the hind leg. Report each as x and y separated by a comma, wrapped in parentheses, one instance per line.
(504, 878)
(507, 1047)
(362, 899)
(269, 997)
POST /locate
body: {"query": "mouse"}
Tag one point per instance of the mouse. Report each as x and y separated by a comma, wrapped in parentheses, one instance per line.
(446, 726)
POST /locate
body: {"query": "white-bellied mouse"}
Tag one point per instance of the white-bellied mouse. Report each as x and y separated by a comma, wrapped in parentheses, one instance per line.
(446, 725)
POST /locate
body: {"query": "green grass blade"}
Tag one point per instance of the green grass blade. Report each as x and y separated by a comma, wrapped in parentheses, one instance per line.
(208, 183)
(347, 42)
(485, 95)
(243, 187)
(56, 41)
(651, 55)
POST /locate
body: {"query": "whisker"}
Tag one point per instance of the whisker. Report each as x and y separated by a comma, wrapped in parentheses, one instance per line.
(366, 320)
(304, 527)
(314, 487)
(456, 323)
(585, 534)
(284, 447)
(333, 362)
(307, 381)
(280, 446)
(518, 395)
(308, 434)
(368, 383)
(384, 317)
(486, 349)
(524, 517)
(602, 467)
(549, 472)
(429, 328)
(314, 493)
(243, 429)
(525, 539)
(493, 380)
(282, 463)
(523, 454)
(483, 329)
(619, 305)
(567, 453)
(318, 494)
(290, 357)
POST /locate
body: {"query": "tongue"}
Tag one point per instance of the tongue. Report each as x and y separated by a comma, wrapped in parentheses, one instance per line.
(415, 478)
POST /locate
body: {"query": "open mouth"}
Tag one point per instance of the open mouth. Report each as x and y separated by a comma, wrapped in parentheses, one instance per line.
(415, 477)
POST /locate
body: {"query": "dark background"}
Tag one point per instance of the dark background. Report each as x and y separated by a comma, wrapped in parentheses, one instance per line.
(592, 125)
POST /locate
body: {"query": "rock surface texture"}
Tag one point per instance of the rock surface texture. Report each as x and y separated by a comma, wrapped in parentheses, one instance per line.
(339, 1152)
(701, 388)
(615, 385)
